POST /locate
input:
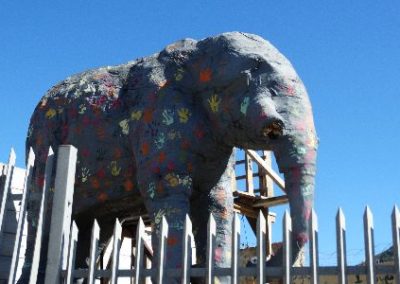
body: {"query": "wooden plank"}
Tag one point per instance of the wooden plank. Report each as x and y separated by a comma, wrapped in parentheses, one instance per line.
(287, 243)
(341, 246)
(162, 251)
(116, 250)
(6, 187)
(270, 201)
(61, 213)
(243, 209)
(396, 242)
(41, 217)
(235, 249)
(249, 174)
(255, 174)
(94, 244)
(211, 239)
(261, 249)
(187, 251)
(268, 170)
(73, 241)
(21, 218)
(266, 184)
(139, 250)
(260, 201)
(369, 245)
(314, 247)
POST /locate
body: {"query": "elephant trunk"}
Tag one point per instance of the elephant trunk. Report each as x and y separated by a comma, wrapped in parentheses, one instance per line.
(297, 161)
(299, 182)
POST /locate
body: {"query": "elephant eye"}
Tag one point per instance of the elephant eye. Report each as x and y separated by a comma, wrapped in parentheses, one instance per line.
(273, 92)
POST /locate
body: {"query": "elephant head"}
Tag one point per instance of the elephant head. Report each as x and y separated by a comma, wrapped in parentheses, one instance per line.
(254, 99)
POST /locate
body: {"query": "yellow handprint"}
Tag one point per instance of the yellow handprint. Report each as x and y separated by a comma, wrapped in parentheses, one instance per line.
(51, 113)
(115, 169)
(124, 124)
(179, 74)
(214, 102)
(136, 115)
(172, 179)
(184, 115)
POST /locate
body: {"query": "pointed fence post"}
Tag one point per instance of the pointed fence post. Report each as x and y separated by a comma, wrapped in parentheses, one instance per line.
(42, 217)
(287, 253)
(396, 242)
(6, 188)
(21, 218)
(261, 249)
(369, 245)
(116, 250)
(235, 248)
(94, 244)
(187, 251)
(314, 247)
(139, 250)
(211, 238)
(71, 254)
(162, 251)
(341, 246)
(61, 213)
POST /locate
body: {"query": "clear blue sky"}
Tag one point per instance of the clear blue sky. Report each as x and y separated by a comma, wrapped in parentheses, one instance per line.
(346, 52)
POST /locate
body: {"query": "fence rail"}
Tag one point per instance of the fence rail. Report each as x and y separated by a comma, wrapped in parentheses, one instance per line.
(64, 238)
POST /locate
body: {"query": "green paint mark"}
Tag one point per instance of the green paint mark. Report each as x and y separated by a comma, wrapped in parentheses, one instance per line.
(244, 105)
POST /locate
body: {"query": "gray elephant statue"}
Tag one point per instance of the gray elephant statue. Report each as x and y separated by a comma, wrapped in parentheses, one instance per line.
(158, 134)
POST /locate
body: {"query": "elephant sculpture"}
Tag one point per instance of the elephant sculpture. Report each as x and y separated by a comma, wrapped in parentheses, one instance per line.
(160, 132)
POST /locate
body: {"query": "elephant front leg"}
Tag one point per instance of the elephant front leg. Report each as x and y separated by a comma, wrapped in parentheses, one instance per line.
(167, 195)
(219, 202)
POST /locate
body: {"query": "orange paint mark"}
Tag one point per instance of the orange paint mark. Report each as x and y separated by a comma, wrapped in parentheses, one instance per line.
(40, 181)
(39, 140)
(97, 111)
(101, 132)
(145, 148)
(117, 153)
(102, 197)
(107, 183)
(185, 144)
(160, 188)
(128, 185)
(172, 241)
(148, 115)
(95, 182)
(161, 157)
(190, 167)
(78, 129)
(205, 75)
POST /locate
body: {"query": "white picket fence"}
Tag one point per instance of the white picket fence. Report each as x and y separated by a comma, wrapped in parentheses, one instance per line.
(64, 237)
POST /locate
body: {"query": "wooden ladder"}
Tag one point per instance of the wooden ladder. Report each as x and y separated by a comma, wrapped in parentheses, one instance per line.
(250, 201)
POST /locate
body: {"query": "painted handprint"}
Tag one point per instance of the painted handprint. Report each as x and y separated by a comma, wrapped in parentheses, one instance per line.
(184, 115)
(168, 116)
(214, 102)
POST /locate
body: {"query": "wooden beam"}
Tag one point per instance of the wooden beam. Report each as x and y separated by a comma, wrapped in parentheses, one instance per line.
(271, 201)
(269, 171)
(249, 174)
